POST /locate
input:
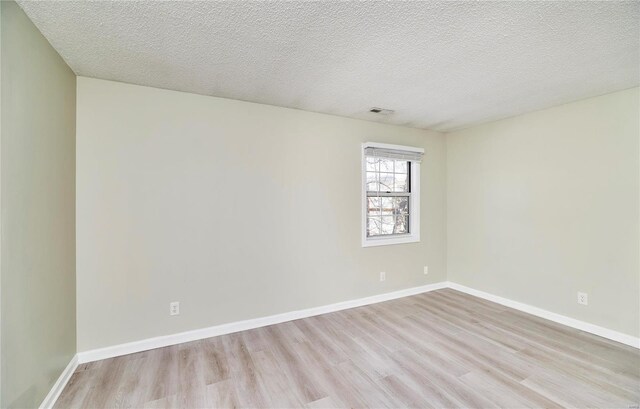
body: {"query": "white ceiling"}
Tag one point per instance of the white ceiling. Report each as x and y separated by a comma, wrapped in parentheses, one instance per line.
(440, 65)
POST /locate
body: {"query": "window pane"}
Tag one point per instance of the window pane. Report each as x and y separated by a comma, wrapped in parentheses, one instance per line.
(401, 166)
(372, 164)
(386, 182)
(401, 225)
(400, 184)
(372, 181)
(373, 208)
(373, 226)
(372, 187)
(386, 165)
(387, 206)
(387, 225)
(401, 205)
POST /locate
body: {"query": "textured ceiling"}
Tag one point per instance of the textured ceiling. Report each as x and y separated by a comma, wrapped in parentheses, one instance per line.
(439, 65)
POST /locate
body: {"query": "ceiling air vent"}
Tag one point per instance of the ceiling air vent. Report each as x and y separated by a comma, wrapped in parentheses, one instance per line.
(381, 111)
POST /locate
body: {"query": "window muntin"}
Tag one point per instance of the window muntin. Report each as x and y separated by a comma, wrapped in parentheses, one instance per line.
(388, 190)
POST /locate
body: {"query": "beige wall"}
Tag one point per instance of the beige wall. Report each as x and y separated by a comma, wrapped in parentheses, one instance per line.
(544, 205)
(237, 210)
(37, 212)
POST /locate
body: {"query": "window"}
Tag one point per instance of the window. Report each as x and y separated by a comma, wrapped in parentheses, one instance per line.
(391, 194)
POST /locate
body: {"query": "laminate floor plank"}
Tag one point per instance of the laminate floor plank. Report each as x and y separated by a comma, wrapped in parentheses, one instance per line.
(443, 349)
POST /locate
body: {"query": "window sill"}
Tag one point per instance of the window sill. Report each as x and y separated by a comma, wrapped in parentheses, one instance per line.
(388, 241)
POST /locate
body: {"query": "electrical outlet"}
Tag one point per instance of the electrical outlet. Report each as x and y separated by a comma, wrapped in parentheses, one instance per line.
(174, 308)
(426, 269)
(383, 276)
(583, 298)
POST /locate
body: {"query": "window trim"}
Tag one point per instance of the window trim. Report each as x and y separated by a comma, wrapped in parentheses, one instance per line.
(414, 203)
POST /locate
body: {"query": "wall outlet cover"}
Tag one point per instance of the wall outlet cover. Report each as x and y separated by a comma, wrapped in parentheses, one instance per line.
(383, 276)
(174, 308)
(583, 298)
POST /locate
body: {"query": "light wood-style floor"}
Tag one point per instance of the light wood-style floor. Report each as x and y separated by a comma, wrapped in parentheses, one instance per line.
(439, 349)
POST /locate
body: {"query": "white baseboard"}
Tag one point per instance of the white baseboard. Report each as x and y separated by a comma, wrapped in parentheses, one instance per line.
(57, 388)
(551, 316)
(174, 339)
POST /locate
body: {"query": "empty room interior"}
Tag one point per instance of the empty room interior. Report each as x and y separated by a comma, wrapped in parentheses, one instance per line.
(319, 204)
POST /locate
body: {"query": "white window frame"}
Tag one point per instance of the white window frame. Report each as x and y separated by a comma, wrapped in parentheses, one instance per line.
(414, 203)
